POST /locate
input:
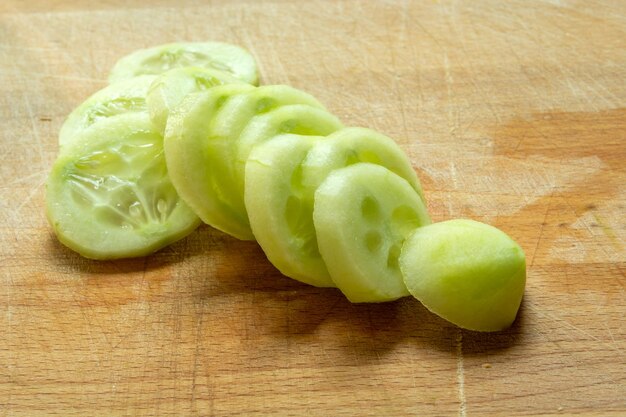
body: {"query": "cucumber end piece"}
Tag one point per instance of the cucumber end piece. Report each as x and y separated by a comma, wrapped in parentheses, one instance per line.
(469, 273)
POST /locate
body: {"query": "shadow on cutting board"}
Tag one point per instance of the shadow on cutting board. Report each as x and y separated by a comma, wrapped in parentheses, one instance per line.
(209, 268)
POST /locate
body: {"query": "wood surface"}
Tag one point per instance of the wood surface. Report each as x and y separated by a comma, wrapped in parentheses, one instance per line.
(513, 113)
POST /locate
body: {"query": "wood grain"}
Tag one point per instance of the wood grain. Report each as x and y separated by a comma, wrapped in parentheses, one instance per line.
(513, 113)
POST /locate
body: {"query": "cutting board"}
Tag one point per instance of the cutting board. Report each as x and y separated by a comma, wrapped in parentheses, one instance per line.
(512, 113)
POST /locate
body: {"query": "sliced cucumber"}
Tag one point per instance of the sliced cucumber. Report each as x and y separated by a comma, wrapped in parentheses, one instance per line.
(215, 55)
(467, 272)
(110, 195)
(169, 89)
(281, 209)
(299, 119)
(362, 215)
(194, 171)
(119, 98)
(213, 192)
(352, 145)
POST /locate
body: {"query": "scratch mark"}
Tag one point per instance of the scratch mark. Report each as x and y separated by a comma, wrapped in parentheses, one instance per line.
(543, 226)
(460, 375)
(30, 195)
(610, 332)
(558, 319)
(608, 232)
(8, 186)
(195, 357)
(55, 76)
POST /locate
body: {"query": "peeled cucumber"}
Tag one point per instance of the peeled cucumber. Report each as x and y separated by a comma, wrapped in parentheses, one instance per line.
(362, 215)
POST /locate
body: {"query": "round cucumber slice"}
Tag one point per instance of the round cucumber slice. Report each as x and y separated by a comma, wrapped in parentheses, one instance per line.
(215, 55)
(213, 192)
(352, 145)
(119, 98)
(362, 215)
(298, 119)
(169, 89)
(467, 272)
(281, 209)
(110, 195)
(194, 171)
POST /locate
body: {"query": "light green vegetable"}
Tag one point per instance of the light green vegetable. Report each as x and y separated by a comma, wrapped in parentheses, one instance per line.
(201, 144)
(467, 272)
(281, 209)
(169, 89)
(215, 55)
(109, 196)
(195, 173)
(352, 145)
(119, 98)
(181, 135)
(299, 119)
(362, 215)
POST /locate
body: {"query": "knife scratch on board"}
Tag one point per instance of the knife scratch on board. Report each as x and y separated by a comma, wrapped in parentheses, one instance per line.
(460, 374)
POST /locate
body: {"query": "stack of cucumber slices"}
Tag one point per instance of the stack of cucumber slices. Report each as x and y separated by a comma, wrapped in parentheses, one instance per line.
(183, 135)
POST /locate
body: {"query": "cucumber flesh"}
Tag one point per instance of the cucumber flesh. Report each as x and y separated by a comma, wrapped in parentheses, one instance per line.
(195, 173)
(215, 55)
(299, 119)
(362, 215)
(122, 97)
(281, 209)
(467, 272)
(169, 89)
(212, 143)
(352, 145)
(110, 196)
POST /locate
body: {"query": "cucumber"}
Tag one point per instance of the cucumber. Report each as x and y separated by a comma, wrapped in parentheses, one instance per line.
(281, 209)
(109, 196)
(198, 142)
(362, 215)
(299, 119)
(189, 151)
(215, 55)
(119, 98)
(352, 145)
(467, 272)
(169, 89)
(282, 176)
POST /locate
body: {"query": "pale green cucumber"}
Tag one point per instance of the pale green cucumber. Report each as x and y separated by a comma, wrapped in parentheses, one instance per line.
(280, 209)
(216, 197)
(188, 153)
(215, 55)
(352, 145)
(298, 119)
(110, 196)
(467, 272)
(362, 215)
(169, 89)
(123, 97)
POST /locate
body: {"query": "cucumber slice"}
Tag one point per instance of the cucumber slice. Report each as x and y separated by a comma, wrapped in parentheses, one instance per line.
(215, 55)
(119, 98)
(281, 209)
(213, 192)
(352, 145)
(169, 89)
(362, 215)
(298, 119)
(467, 272)
(194, 171)
(110, 196)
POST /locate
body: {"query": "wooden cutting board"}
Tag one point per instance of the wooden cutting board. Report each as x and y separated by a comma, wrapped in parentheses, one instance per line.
(513, 113)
